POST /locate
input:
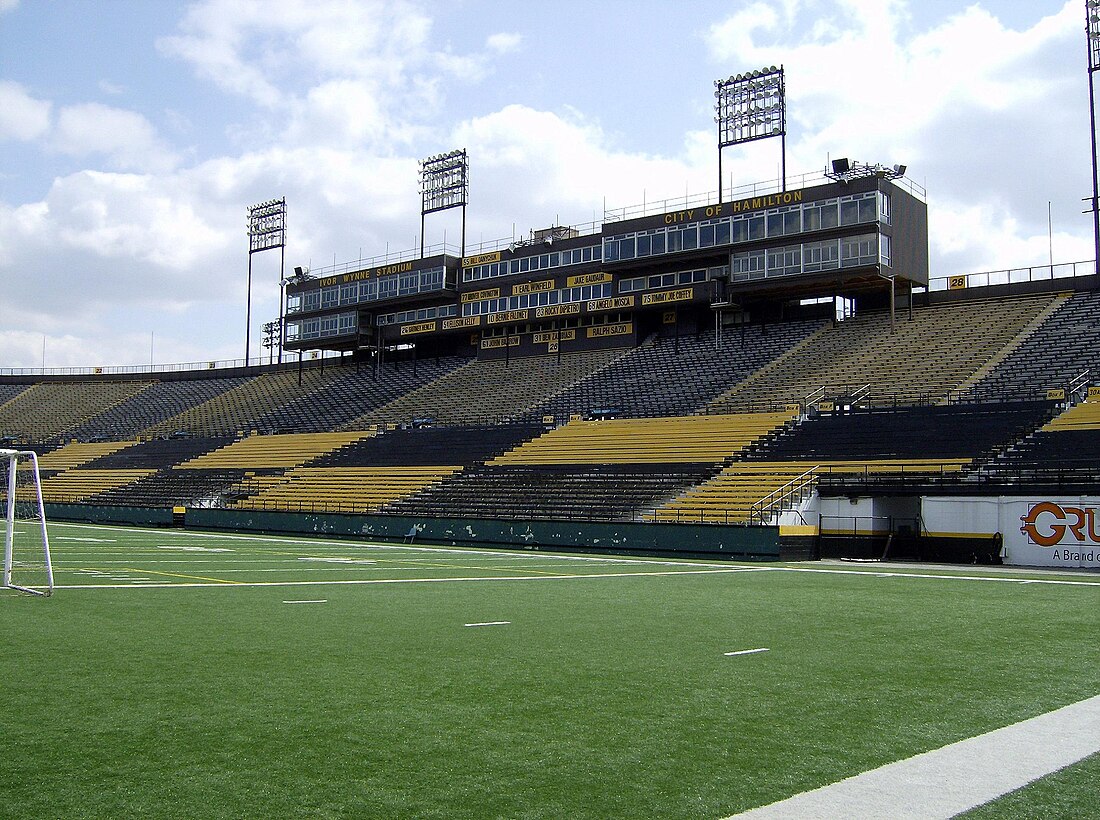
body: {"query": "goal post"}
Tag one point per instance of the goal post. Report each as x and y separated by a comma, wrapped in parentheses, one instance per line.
(27, 564)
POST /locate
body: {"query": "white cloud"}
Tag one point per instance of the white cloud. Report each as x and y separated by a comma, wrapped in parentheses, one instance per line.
(504, 42)
(337, 101)
(125, 138)
(272, 52)
(22, 117)
(302, 61)
(8, 5)
(970, 105)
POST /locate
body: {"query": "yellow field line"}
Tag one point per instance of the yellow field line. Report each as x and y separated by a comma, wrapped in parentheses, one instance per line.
(180, 575)
(433, 563)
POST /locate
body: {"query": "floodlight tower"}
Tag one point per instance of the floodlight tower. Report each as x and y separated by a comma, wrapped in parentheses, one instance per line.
(751, 106)
(1092, 29)
(444, 184)
(266, 230)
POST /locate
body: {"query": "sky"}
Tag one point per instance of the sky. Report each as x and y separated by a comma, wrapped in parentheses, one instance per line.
(135, 134)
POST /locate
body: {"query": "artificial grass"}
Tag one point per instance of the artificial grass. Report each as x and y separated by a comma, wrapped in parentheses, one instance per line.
(603, 697)
(1070, 794)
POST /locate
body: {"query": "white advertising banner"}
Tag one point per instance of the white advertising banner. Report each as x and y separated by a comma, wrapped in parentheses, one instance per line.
(1043, 532)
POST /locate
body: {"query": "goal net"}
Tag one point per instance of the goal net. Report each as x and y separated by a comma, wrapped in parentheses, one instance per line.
(27, 565)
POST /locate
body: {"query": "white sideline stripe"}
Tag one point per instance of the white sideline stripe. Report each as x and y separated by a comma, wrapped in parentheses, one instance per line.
(490, 623)
(745, 652)
(362, 581)
(957, 777)
(317, 601)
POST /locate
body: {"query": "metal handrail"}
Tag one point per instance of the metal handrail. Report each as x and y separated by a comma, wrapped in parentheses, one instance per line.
(1038, 273)
(766, 506)
(1079, 381)
(861, 393)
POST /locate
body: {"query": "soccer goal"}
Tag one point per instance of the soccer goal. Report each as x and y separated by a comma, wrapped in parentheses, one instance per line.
(27, 565)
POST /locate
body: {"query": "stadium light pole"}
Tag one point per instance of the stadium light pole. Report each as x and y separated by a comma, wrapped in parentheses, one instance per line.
(751, 106)
(1092, 30)
(266, 230)
(444, 184)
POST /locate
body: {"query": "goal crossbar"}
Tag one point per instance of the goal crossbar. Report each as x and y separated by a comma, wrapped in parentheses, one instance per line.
(13, 458)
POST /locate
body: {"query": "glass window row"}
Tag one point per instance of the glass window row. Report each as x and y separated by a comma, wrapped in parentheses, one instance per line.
(369, 290)
(663, 280)
(526, 264)
(532, 300)
(850, 252)
(321, 327)
(856, 209)
(419, 315)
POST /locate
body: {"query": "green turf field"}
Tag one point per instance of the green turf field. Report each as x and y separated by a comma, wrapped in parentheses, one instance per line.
(176, 674)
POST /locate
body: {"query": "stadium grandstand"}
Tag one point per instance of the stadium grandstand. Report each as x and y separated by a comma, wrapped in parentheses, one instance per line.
(773, 376)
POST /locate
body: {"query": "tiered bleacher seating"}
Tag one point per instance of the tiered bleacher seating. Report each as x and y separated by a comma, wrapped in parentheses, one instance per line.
(338, 489)
(173, 488)
(77, 454)
(677, 440)
(272, 452)
(599, 469)
(369, 472)
(431, 446)
(10, 391)
(159, 401)
(351, 394)
(849, 451)
(922, 361)
(392, 459)
(1061, 349)
(78, 485)
(1061, 457)
(730, 496)
(592, 492)
(240, 408)
(46, 411)
(923, 432)
(489, 391)
(157, 454)
(186, 470)
(672, 377)
(121, 472)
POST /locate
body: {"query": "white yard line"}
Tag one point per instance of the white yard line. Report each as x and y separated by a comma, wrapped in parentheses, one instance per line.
(365, 581)
(957, 777)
